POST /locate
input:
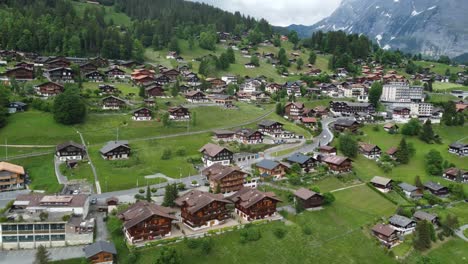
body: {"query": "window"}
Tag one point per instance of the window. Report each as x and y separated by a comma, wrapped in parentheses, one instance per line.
(42, 237)
(29, 238)
(57, 237)
(7, 239)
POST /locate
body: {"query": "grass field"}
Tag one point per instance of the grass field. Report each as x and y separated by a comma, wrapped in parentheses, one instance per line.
(336, 237)
(438, 68)
(452, 251)
(440, 86)
(366, 169)
(440, 98)
(118, 18)
(41, 172)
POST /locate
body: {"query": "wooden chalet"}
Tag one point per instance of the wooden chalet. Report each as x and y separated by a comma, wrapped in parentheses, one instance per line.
(143, 79)
(115, 73)
(216, 82)
(70, 151)
(202, 209)
(60, 75)
(327, 150)
(270, 127)
(196, 97)
(458, 148)
(273, 87)
(20, 74)
(24, 64)
(223, 99)
(421, 216)
(88, 67)
(321, 111)
(369, 151)
(382, 184)
(58, 62)
(351, 107)
(401, 113)
(346, 125)
(410, 191)
(309, 122)
(293, 111)
(224, 135)
(150, 102)
(391, 127)
(308, 199)
(271, 168)
(306, 163)
(386, 235)
(455, 174)
(179, 113)
(252, 204)
(100, 252)
(142, 114)
(48, 89)
(212, 153)
(402, 224)
(224, 179)
(11, 177)
(144, 221)
(154, 91)
(115, 150)
(436, 189)
(172, 74)
(162, 79)
(108, 89)
(95, 76)
(14, 107)
(112, 103)
(248, 136)
(338, 164)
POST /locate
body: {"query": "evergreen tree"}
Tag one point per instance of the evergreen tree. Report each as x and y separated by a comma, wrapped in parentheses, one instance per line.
(69, 107)
(348, 145)
(175, 89)
(171, 193)
(412, 128)
(418, 182)
(148, 194)
(279, 109)
(293, 37)
(449, 114)
(165, 120)
(283, 58)
(299, 63)
(231, 55)
(312, 57)
(427, 134)
(402, 154)
(141, 92)
(224, 61)
(174, 45)
(208, 40)
(42, 255)
(375, 92)
(434, 162)
(255, 61)
(422, 238)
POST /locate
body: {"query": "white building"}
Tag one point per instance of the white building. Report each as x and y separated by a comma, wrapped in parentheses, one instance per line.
(402, 92)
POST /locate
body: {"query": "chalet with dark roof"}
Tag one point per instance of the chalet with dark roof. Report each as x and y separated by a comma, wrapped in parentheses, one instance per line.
(402, 224)
(459, 149)
(369, 151)
(270, 127)
(88, 67)
(179, 113)
(58, 62)
(20, 74)
(351, 107)
(64, 75)
(115, 150)
(70, 151)
(95, 76)
(202, 209)
(386, 234)
(308, 199)
(115, 73)
(436, 189)
(421, 216)
(271, 168)
(249, 136)
(49, 89)
(411, 191)
(145, 221)
(306, 163)
(142, 114)
(293, 110)
(224, 135)
(382, 184)
(162, 79)
(172, 74)
(212, 153)
(252, 204)
(346, 125)
(196, 97)
(455, 174)
(113, 103)
(100, 252)
(224, 179)
(327, 150)
(338, 164)
(108, 89)
(154, 91)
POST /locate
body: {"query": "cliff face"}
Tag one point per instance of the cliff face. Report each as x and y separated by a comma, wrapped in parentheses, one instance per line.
(431, 27)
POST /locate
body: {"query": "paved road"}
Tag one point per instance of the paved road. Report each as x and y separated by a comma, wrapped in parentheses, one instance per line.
(27, 256)
(459, 232)
(90, 162)
(62, 179)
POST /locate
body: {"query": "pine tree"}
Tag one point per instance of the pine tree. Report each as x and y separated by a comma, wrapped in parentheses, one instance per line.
(42, 255)
(312, 57)
(148, 194)
(299, 63)
(427, 134)
(402, 154)
(170, 194)
(231, 55)
(348, 145)
(418, 182)
(422, 239)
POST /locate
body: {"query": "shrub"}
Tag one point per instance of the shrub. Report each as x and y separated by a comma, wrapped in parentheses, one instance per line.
(141, 191)
(167, 154)
(181, 151)
(206, 246)
(249, 234)
(280, 232)
(192, 243)
(153, 190)
(307, 230)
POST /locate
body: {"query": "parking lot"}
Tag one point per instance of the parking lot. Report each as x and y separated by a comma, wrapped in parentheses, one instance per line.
(27, 256)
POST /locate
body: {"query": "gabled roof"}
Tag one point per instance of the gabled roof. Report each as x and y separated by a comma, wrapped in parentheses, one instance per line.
(424, 216)
(407, 187)
(336, 160)
(196, 200)
(400, 220)
(98, 247)
(218, 171)
(305, 194)
(392, 151)
(268, 123)
(297, 104)
(223, 132)
(298, 158)
(385, 230)
(433, 186)
(111, 145)
(345, 122)
(381, 180)
(69, 143)
(212, 149)
(247, 197)
(268, 164)
(5, 166)
(367, 147)
(114, 97)
(143, 210)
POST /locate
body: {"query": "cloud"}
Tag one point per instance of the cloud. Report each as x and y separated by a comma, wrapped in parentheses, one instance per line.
(280, 12)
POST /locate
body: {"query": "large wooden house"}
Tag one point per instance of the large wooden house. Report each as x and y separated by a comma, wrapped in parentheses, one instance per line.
(402, 224)
(179, 113)
(436, 189)
(145, 221)
(94, 76)
(112, 103)
(60, 75)
(306, 163)
(88, 67)
(115, 150)
(224, 179)
(49, 89)
(252, 204)
(224, 135)
(20, 74)
(202, 209)
(172, 74)
(12, 176)
(108, 89)
(70, 151)
(58, 62)
(351, 107)
(270, 168)
(249, 136)
(382, 184)
(270, 127)
(458, 148)
(346, 125)
(369, 151)
(115, 73)
(455, 174)
(338, 164)
(308, 199)
(386, 234)
(212, 153)
(196, 97)
(100, 252)
(154, 91)
(142, 114)
(294, 111)
(327, 150)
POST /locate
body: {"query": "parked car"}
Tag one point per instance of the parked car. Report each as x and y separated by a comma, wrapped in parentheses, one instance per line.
(94, 201)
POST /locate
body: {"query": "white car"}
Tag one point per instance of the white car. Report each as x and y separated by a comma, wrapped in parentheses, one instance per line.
(76, 192)
(194, 185)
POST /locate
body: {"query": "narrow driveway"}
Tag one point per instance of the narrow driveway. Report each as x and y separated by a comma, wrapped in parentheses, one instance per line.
(96, 179)
(459, 232)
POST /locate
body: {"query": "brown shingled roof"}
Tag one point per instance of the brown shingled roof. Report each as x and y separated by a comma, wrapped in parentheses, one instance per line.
(196, 200)
(336, 160)
(366, 146)
(385, 230)
(248, 196)
(212, 149)
(305, 194)
(142, 210)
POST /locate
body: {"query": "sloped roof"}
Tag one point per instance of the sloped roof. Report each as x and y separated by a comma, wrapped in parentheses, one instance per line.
(142, 210)
(392, 150)
(268, 123)
(305, 194)
(267, 164)
(5, 166)
(212, 149)
(336, 160)
(433, 186)
(400, 220)
(407, 187)
(367, 147)
(111, 145)
(424, 216)
(69, 143)
(381, 180)
(298, 158)
(385, 230)
(247, 196)
(196, 200)
(98, 247)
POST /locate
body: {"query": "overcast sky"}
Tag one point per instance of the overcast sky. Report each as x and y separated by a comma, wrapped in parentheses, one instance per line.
(280, 12)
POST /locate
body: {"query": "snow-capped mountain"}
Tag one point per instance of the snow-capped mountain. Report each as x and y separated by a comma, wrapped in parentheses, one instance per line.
(432, 27)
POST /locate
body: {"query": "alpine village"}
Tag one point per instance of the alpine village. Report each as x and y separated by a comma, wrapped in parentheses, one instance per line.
(170, 131)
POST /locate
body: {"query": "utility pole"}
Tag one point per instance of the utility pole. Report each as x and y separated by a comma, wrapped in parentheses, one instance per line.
(6, 149)
(117, 133)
